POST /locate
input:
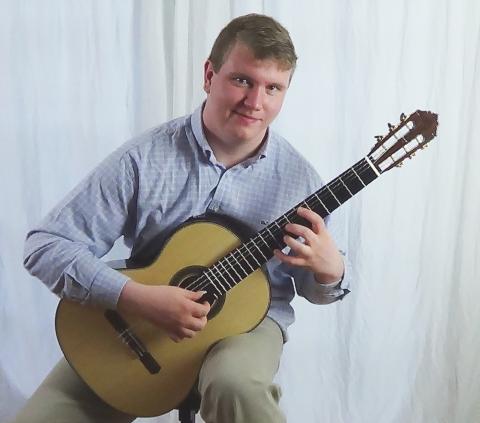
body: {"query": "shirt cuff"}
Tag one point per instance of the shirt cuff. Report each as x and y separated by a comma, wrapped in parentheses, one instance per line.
(106, 287)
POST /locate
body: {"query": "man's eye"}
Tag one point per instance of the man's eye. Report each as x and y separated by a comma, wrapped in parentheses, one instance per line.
(241, 81)
(273, 89)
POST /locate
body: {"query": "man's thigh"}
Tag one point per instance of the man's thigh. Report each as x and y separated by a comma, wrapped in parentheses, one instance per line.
(64, 398)
(236, 379)
(254, 354)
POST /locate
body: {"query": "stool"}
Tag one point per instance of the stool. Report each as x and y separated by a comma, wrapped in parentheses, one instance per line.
(189, 407)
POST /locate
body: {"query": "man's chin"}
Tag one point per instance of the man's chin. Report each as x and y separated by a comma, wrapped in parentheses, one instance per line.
(249, 136)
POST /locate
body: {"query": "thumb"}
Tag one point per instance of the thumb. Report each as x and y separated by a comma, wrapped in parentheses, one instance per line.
(195, 295)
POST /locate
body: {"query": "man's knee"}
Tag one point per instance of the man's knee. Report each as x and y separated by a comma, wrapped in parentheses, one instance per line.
(239, 398)
(233, 388)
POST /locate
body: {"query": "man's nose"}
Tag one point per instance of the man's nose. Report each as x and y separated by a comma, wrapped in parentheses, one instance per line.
(254, 98)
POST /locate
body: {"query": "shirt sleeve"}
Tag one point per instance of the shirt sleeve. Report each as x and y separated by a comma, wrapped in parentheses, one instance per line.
(305, 283)
(64, 250)
(307, 286)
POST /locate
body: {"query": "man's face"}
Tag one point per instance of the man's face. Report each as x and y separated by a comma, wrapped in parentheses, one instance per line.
(243, 98)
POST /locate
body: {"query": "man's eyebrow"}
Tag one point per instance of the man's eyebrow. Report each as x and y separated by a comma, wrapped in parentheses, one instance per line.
(240, 75)
(249, 78)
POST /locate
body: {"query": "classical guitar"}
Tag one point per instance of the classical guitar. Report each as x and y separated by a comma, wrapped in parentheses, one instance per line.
(133, 365)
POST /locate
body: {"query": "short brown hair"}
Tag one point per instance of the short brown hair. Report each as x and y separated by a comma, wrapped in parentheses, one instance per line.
(262, 34)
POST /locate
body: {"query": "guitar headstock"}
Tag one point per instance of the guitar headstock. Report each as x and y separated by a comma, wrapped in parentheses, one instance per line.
(413, 133)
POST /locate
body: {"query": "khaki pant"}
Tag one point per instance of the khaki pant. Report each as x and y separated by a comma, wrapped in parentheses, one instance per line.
(235, 383)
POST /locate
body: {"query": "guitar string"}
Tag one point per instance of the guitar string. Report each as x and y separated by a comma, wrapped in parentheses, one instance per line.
(313, 201)
(313, 197)
(203, 281)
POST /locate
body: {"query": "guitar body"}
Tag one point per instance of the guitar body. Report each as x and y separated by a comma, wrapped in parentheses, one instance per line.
(133, 365)
(94, 348)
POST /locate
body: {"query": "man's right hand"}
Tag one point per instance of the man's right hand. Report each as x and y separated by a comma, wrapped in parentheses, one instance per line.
(171, 308)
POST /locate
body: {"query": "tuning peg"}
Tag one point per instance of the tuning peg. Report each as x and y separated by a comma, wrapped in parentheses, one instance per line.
(400, 164)
(379, 138)
(403, 116)
(391, 127)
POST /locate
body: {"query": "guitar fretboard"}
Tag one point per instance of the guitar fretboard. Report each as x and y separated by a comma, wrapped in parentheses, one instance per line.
(251, 255)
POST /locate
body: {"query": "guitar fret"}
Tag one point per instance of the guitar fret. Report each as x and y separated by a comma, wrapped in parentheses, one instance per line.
(265, 242)
(235, 270)
(323, 205)
(368, 174)
(239, 264)
(228, 273)
(367, 159)
(246, 261)
(341, 192)
(334, 196)
(274, 238)
(252, 255)
(223, 274)
(211, 282)
(220, 273)
(258, 248)
(353, 183)
(360, 179)
(350, 192)
(306, 205)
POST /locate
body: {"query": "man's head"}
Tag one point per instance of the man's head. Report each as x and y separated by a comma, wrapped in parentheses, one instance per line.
(246, 78)
(263, 35)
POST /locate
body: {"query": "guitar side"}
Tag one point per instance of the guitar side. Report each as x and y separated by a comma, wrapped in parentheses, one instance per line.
(95, 350)
(150, 375)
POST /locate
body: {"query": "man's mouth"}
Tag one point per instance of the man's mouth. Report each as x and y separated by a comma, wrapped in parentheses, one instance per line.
(246, 117)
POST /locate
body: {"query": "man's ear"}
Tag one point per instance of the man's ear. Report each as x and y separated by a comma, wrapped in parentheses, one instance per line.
(207, 76)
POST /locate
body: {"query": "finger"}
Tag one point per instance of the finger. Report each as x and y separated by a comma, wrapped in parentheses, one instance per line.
(300, 230)
(194, 295)
(200, 309)
(291, 260)
(298, 248)
(197, 325)
(174, 337)
(187, 333)
(314, 218)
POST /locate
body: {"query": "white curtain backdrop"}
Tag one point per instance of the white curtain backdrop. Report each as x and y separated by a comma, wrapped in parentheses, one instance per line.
(79, 77)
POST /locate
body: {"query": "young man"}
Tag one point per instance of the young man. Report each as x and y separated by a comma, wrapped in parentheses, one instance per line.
(223, 158)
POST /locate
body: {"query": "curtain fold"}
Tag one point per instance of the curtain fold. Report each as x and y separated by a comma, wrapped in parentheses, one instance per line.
(78, 78)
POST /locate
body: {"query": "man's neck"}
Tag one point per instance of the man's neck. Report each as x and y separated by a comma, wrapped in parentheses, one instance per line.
(231, 154)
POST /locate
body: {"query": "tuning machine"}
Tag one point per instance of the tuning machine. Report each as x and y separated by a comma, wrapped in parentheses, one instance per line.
(391, 127)
(403, 116)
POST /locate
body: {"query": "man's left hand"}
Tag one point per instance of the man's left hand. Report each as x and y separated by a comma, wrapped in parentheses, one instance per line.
(318, 254)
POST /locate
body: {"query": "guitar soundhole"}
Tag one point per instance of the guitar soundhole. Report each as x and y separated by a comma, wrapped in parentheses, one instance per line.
(185, 279)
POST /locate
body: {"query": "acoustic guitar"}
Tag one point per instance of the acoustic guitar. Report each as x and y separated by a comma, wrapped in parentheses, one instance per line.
(132, 364)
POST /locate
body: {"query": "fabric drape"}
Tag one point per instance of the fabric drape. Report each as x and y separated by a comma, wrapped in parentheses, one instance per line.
(78, 78)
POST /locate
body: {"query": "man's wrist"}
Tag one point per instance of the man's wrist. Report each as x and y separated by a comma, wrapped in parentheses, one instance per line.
(330, 284)
(331, 279)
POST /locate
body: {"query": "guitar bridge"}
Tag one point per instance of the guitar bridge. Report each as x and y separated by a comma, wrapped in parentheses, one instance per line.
(134, 343)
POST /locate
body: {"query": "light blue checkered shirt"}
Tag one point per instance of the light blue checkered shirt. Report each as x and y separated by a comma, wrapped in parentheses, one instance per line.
(152, 184)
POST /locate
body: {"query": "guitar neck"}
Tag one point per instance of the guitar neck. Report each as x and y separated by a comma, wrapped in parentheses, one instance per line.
(251, 255)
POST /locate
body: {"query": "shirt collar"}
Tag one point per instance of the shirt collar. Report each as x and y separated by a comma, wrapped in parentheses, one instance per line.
(201, 139)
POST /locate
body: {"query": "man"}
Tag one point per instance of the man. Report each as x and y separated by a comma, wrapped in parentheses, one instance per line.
(222, 158)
